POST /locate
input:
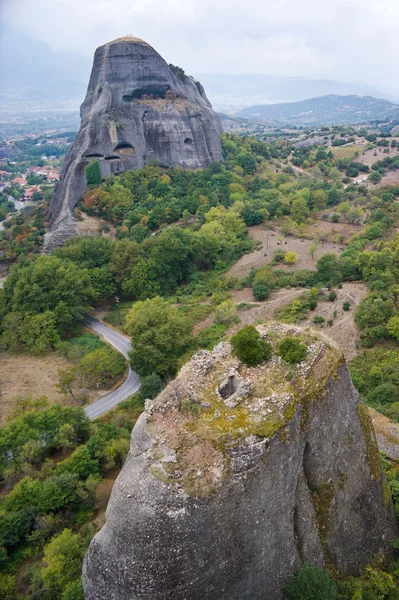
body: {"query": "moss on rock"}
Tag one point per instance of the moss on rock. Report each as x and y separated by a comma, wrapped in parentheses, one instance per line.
(217, 403)
(373, 456)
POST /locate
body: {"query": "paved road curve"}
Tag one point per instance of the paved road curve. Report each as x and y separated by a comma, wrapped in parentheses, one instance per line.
(129, 386)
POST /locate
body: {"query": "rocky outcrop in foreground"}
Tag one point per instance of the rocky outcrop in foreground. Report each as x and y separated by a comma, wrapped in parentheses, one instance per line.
(137, 108)
(237, 476)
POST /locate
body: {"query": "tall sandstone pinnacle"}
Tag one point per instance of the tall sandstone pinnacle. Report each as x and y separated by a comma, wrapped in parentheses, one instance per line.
(137, 108)
(237, 476)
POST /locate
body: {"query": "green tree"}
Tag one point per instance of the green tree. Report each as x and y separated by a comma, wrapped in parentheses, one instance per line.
(151, 386)
(247, 162)
(310, 583)
(56, 291)
(225, 312)
(63, 562)
(386, 393)
(328, 269)
(393, 326)
(93, 173)
(73, 591)
(299, 210)
(249, 347)
(100, 366)
(260, 290)
(160, 335)
(319, 199)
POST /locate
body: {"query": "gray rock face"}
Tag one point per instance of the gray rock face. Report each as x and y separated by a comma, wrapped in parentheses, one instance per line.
(136, 109)
(221, 502)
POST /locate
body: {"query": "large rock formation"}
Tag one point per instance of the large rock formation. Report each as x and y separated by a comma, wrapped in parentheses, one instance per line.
(137, 108)
(236, 476)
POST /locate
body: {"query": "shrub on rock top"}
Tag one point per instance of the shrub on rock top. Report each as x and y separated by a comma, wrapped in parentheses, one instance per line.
(292, 350)
(249, 347)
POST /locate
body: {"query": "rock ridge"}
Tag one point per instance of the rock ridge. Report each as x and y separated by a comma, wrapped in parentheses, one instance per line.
(236, 476)
(137, 108)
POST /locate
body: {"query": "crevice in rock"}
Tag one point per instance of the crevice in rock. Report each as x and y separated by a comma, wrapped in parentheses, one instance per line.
(94, 155)
(297, 532)
(188, 140)
(112, 157)
(228, 387)
(307, 467)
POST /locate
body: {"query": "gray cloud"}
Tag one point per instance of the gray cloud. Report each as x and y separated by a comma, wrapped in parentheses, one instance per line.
(347, 40)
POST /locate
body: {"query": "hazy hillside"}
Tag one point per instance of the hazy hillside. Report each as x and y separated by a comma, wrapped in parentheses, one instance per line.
(331, 109)
(31, 67)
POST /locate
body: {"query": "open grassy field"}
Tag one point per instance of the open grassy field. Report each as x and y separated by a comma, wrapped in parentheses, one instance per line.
(351, 151)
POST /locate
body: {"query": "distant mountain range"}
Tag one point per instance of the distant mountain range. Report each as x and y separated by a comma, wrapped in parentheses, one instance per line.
(233, 92)
(326, 110)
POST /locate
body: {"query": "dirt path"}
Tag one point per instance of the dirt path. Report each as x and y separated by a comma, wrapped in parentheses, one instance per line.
(344, 331)
(296, 169)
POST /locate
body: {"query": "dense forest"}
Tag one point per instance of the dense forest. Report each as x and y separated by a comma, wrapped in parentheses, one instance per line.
(169, 238)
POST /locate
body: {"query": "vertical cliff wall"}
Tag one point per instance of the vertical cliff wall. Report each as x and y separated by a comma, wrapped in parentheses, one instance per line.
(237, 476)
(137, 108)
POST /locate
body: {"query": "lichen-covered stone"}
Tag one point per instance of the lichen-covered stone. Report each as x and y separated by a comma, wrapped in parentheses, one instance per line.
(136, 109)
(223, 501)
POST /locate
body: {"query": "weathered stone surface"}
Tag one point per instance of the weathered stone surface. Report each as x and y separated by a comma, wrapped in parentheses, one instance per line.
(219, 502)
(136, 109)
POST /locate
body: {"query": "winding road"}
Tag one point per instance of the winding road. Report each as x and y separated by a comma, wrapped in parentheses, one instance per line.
(132, 382)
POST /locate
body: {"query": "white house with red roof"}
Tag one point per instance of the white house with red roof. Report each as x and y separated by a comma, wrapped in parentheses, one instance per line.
(30, 191)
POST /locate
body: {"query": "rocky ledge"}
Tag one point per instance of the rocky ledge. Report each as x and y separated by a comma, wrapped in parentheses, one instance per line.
(237, 476)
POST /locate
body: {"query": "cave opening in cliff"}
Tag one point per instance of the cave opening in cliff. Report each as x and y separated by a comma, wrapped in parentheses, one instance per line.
(188, 140)
(148, 92)
(124, 149)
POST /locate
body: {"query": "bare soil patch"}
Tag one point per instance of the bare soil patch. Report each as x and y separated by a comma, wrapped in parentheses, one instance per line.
(390, 178)
(369, 159)
(275, 240)
(25, 375)
(334, 230)
(92, 226)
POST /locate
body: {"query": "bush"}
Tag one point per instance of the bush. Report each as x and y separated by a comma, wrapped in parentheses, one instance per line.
(292, 350)
(249, 347)
(260, 290)
(386, 393)
(310, 583)
(346, 305)
(332, 296)
(318, 320)
(290, 257)
(151, 386)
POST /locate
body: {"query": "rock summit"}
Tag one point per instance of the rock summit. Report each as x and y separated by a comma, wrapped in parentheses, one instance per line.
(137, 108)
(237, 476)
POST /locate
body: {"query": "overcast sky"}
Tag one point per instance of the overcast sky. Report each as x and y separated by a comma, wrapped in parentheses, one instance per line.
(346, 40)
